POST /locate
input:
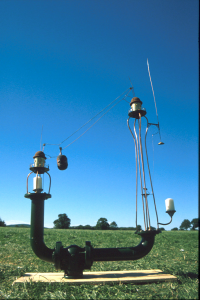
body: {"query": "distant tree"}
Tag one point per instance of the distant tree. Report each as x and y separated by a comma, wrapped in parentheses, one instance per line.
(175, 228)
(87, 227)
(63, 222)
(195, 223)
(185, 225)
(162, 228)
(2, 223)
(113, 225)
(102, 224)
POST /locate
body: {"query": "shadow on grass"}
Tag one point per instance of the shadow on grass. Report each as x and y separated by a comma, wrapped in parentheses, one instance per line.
(192, 275)
(188, 275)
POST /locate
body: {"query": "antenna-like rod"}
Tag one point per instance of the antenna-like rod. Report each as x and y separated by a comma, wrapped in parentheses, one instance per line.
(152, 89)
(41, 138)
(161, 143)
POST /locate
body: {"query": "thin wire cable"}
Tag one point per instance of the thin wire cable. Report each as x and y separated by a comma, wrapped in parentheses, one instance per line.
(135, 164)
(95, 122)
(150, 174)
(92, 124)
(153, 96)
(89, 120)
(153, 151)
(132, 88)
(152, 89)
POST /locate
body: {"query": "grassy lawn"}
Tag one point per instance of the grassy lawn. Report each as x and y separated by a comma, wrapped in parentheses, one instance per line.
(17, 258)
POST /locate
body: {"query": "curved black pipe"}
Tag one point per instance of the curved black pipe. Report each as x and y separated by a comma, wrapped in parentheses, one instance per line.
(37, 231)
(73, 259)
(126, 253)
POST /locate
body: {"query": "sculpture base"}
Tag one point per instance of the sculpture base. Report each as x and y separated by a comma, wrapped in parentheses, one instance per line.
(133, 276)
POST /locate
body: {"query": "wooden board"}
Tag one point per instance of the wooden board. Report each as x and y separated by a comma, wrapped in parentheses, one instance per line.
(135, 276)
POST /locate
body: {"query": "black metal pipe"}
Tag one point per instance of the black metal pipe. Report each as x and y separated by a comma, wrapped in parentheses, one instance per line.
(73, 259)
(37, 231)
(125, 253)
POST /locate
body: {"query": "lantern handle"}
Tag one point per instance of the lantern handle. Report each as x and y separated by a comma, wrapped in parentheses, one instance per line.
(27, 181)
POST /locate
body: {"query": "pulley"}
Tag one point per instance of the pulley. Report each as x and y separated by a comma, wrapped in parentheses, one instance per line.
(62, 163)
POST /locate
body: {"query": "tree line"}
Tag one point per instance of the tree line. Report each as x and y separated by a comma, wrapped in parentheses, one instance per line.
(63, 222)
(186, 224)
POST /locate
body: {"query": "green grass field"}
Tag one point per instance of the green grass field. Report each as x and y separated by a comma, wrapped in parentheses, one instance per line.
(17, 258)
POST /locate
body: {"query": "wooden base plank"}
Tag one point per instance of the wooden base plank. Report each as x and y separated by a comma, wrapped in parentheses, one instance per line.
(135, 276)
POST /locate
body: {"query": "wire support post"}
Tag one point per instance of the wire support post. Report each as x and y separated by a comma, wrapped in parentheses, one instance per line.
(141, 183)
(136, 155)
(139, 158)
(150, 172)
(143, 172)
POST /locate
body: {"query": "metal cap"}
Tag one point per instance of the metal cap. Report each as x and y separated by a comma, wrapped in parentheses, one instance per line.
(134, 100)
(39, 154)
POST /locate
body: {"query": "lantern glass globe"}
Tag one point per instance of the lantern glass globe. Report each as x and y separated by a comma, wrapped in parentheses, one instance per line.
(39, 162)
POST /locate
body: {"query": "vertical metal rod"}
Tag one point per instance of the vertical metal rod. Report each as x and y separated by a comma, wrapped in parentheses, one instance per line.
(140, 176)
(27, 181)
(142, 161)
(49, 182)
(135, 164)
(150, 175)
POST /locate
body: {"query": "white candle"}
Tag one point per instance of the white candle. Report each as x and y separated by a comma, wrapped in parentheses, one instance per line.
(37, 183)
(169, 204)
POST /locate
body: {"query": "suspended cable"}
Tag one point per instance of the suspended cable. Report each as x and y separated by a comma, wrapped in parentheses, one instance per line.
(89, 120)
(129, 89)
(95, 122)
(132, 88)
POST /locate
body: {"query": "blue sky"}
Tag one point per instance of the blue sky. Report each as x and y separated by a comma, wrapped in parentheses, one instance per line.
(64, 61)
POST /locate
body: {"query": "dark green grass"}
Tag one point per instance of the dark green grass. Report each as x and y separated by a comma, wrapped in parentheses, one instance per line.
(17, 258)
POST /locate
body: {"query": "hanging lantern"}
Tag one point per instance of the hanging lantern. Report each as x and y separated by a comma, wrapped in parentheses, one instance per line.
(62, 163)
(136, 108)
(39, 159)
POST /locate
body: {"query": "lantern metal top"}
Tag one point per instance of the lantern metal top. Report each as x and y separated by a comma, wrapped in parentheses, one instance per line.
(39, 154)
(135, 100)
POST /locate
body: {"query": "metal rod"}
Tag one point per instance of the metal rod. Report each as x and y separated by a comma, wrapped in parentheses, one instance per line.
(140, 176)
(150, 173)
(136, 155)
(142, 161)
(135, 164)
(27, 181)
(49, 182)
